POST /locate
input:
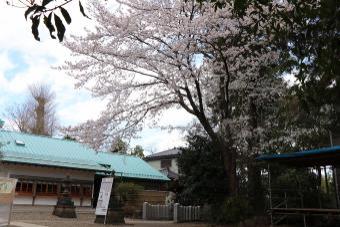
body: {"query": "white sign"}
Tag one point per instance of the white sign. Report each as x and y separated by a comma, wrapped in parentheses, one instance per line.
(104, 196)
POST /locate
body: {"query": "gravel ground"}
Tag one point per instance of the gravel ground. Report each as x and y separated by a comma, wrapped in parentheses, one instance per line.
(85, 217)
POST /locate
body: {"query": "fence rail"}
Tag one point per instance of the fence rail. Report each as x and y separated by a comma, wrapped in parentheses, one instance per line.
(176, 212)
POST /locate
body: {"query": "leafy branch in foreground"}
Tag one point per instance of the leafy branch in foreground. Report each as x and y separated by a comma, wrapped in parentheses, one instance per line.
(51, 12)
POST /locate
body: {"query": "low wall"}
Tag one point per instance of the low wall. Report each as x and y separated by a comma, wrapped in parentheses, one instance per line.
(133, 206)
(186, 213)
(47, 200)
(157, 212)
(152, 197)
(176, 212)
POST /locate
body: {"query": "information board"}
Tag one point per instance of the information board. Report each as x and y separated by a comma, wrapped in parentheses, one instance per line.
(7, 192)
(104, 196)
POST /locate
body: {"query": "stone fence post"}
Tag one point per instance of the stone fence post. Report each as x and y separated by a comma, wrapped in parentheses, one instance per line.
(145, 210)
(176, 211)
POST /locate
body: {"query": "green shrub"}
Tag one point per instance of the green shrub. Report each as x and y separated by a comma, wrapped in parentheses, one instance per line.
(202, 179)
(128, 191)
(128, 194)
(232, 210)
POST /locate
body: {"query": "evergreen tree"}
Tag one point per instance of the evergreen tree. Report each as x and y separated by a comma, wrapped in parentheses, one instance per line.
(119, 146)
(138, 151)
(201, 171)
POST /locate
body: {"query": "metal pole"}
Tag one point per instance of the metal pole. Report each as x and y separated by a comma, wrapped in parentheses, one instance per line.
(318, 186)
(105, 218)
(326, 179)
(10, 213)
(330, 138)
(11, 205)
(336, 185)
(302, 206)
(335, 175)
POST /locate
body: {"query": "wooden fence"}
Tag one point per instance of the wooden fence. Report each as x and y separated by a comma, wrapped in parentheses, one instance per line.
(176, 212)
(186, 213)
(157, 212)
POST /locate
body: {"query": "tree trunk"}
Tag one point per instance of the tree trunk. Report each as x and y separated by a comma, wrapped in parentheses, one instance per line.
(40, 114)
(255, 187)
(229, 161)
(226, 152)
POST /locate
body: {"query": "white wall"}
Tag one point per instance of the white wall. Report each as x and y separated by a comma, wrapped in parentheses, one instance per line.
(157, 164)
(23, 200)
(26, 170)
(86, 202)
(46, 200)
(174, 166)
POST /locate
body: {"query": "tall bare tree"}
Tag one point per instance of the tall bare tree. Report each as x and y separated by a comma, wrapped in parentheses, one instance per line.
(42, 99)
(20, 116)
(37, 114)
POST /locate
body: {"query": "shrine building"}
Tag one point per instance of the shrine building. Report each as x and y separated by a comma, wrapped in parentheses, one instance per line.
(41, 164)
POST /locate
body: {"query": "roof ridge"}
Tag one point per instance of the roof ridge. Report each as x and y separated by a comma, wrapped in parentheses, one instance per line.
(47, 137)
(116, 153)
(161, 153)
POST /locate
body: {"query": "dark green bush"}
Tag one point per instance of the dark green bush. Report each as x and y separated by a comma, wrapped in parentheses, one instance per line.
(232, 210)
(202, 179)
(128, 191)
(128, 194)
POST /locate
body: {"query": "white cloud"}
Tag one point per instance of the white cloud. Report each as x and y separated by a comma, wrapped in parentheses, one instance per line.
(81, 111)
(156, 140)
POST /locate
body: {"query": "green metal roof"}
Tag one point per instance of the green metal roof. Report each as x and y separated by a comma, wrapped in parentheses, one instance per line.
(130, 166)
(41, 150)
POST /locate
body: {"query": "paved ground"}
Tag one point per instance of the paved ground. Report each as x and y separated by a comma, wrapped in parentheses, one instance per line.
(42, 216)
(23, 224)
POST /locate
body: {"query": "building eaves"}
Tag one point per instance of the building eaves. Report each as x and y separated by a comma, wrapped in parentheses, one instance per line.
(167, 154)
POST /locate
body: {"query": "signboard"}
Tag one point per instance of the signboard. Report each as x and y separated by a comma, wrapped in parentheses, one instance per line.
(104, 196)
(7, 192)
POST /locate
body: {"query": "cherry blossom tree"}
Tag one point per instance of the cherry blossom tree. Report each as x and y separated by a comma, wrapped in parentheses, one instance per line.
(149, 56)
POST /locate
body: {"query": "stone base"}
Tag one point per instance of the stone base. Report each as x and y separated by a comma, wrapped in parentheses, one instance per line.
(65, 211)
(113, 217)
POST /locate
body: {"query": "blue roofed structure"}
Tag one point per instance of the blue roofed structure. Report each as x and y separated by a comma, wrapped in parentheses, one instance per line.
(314, 157)
(45, 151)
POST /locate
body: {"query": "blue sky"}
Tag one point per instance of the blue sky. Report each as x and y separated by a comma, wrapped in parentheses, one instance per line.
(24, 61)
(18, 62)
